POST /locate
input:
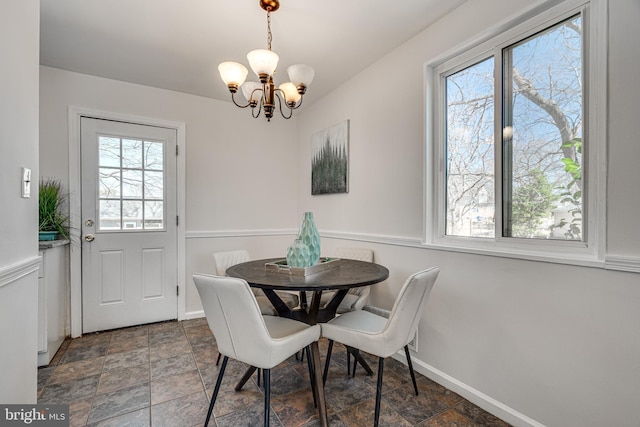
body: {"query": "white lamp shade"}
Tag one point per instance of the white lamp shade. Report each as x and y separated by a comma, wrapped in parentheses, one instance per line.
(301, 74)
(252, 91)
(290, 92)
(233, 73)
(263, 61)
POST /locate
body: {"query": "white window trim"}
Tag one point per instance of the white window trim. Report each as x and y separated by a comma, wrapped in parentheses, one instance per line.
(540, 15)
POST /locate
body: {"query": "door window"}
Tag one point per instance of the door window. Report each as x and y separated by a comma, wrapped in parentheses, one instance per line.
(131, 188)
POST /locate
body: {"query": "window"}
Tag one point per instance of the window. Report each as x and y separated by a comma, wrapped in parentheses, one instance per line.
(514, 167)
(470, 178)
(131, 184)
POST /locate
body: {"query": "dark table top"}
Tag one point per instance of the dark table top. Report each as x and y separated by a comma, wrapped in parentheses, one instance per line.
(348, 274)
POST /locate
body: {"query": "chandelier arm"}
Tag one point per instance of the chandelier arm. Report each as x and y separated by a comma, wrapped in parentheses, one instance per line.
(280, 107)
(299, 103)
(255, 112)
(283, 98)
(233, 98)
(253, 92)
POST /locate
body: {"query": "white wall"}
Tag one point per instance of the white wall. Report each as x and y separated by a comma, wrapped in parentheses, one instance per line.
(19, 50)
(533, 342)
(528, 340)
(240, 173)
(624, 152)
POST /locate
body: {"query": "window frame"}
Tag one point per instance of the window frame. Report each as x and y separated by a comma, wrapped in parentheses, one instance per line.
(540, 16)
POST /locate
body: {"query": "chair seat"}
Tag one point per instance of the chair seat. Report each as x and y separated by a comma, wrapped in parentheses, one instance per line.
(349, 328)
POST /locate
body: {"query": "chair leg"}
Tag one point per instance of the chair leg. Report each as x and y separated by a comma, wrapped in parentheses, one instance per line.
(259, 375)
(312, 376)
(267, 395)
(378, 391)
(413, 374)
(326, 363)
(356, 355)
(216, 390)
(245, 378)
(218, 359)
(358, 359)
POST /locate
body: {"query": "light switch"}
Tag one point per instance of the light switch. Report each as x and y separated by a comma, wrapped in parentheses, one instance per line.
(26, 183)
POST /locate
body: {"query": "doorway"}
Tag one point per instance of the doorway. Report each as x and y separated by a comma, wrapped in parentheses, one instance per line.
(129, 199)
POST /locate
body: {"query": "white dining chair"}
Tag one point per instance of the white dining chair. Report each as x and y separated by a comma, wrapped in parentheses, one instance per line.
(224, 260)
(381, 336)
(244, 334)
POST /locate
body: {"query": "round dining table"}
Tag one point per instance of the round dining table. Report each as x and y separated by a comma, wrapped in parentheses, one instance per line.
(339, 278)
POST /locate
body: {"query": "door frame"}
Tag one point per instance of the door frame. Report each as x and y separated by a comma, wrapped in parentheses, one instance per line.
(75, 255)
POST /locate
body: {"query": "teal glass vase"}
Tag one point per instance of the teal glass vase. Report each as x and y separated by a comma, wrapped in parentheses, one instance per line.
(310, 237)
(298, 254)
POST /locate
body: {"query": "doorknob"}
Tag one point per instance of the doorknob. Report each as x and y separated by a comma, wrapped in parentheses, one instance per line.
(89, 237)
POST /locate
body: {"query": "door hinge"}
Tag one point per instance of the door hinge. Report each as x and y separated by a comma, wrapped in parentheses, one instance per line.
(176, 150)
(177, 290)
(177, 220)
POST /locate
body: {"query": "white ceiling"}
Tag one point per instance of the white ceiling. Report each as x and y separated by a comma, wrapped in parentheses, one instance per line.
(178, 45)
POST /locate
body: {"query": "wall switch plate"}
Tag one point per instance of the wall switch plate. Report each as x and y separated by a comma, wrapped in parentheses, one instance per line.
(26, 183)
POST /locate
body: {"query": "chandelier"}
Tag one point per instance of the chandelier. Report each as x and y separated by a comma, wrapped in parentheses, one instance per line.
(264, 95)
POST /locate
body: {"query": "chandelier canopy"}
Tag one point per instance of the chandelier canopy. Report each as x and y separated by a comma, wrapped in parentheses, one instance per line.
(263, 95)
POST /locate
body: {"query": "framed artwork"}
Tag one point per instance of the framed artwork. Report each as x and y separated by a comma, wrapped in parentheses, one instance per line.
(330, 160)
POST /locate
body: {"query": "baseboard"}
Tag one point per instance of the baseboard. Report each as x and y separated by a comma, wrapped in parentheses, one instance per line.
(474, 396)
(190, 315)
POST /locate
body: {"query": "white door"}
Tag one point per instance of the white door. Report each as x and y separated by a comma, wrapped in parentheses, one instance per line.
(129, 230)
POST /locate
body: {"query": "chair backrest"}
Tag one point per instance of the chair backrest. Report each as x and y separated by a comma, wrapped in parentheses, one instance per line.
(234, 317)
(225, 260)
(408, 308)
(359, 254)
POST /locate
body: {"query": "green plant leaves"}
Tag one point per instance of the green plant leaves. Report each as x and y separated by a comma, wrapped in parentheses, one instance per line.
(50, 207)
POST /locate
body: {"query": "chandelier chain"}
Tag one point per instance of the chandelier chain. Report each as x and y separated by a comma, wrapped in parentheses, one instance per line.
(269, 36)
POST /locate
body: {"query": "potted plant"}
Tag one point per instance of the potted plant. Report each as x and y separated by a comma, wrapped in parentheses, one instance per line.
(53, 222)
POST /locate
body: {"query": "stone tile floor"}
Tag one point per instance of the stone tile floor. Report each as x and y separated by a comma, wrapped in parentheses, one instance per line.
(163, 374)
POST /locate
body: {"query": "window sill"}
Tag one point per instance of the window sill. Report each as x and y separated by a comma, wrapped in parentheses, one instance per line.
(491, 249)
(582, 260)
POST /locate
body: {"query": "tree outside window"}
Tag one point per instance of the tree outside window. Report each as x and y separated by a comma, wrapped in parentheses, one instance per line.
(540, 153)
